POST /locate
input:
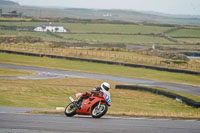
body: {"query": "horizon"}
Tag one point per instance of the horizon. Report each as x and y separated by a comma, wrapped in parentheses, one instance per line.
(170, 7)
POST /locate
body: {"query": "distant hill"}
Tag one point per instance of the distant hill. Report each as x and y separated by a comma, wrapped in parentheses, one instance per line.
(8, 3)
(171, 15)
(131, 16)
(108, 15)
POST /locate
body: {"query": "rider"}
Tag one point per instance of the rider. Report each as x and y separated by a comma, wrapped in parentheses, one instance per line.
(103, 88)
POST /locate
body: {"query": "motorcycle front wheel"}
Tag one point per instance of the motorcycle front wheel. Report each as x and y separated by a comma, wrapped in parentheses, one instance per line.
(99, 112)
(70, 110)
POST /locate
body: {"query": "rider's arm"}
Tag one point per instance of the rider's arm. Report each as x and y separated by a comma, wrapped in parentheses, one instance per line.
(97, 91)
(97, 88)
(94, 92)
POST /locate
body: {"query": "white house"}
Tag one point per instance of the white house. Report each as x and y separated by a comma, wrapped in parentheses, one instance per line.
(50, 27)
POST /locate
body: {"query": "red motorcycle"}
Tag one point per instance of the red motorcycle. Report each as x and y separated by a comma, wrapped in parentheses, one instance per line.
(96, 105)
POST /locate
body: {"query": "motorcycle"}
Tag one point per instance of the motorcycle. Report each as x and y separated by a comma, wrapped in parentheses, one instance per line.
(95, 105)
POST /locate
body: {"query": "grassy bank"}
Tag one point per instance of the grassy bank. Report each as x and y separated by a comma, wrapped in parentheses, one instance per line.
(148, 58)
(53, 93)
(195, 98)
(13, 72)
(101, 68)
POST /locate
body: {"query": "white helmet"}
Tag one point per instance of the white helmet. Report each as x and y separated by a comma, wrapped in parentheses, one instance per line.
(105, 86)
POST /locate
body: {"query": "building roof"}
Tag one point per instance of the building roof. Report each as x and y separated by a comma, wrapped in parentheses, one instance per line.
(49, 24)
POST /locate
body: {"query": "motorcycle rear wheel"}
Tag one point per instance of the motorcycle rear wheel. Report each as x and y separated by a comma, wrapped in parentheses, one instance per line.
(70, 110)
(97, 113)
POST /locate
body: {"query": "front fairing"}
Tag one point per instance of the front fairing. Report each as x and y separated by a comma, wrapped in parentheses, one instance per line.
(105, 97)
(87, 104)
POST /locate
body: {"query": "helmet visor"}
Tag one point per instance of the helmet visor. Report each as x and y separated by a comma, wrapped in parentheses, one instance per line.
(105, 87)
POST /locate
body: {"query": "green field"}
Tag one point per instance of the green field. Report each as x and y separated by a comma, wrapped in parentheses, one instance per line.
(52, 93)
(88, 38)
(101, 68)
(185, 33)
(43, 35)
(114, 28)
(190, 40)
(95, 33)
(97, 28)
(21, 24)
(96, 38)
(83, 29)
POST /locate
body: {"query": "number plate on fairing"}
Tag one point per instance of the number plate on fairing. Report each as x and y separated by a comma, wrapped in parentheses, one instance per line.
(107, 99)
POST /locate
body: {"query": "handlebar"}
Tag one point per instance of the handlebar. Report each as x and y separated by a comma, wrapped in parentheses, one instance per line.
(99, 93)
(95, 92)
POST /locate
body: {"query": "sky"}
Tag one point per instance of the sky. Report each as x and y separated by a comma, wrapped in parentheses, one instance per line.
(180, 7)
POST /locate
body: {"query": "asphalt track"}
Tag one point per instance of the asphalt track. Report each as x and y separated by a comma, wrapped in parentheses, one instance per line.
(46, 73)
(12, 120)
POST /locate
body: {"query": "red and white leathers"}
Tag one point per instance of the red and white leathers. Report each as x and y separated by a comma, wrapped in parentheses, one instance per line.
(102, 90)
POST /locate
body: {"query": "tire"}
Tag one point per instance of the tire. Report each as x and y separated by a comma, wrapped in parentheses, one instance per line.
(103, 110)
(70, 110)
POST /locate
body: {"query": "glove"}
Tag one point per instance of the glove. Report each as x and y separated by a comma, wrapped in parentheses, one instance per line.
(98, 88)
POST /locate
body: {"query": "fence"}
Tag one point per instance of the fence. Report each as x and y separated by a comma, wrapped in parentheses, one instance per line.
(103, 61)
(126, 58)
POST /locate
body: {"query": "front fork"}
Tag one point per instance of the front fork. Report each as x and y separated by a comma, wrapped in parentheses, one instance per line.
(71, 99)
(75, 103)
(99, 105)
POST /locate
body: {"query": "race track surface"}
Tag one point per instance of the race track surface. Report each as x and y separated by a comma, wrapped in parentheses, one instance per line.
(47, 73)
(15, 122)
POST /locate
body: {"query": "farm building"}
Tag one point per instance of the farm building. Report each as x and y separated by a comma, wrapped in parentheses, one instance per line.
(10, 14)
(50, 27)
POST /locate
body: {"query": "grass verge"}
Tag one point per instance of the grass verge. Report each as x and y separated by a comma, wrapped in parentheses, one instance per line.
(100, 68)
(14, 72)
(110, 54)
(187, 95)
(154, 89)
